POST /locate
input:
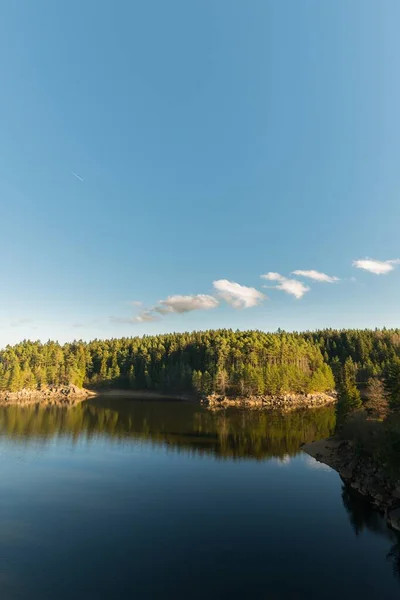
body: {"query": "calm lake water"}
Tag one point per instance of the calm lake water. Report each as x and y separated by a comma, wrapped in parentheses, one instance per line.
(145, 500)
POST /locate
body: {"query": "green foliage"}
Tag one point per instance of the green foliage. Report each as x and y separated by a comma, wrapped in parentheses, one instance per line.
(370, 350)
(392, 381)
(237, 363)
(197, 381)
(240, 363)
(349, 398)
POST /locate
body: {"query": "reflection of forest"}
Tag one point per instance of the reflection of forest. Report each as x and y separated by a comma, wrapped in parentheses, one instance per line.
(233, 433)
(362, 517)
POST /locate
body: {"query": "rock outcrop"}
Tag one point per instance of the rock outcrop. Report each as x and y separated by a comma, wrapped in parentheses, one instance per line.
(65, 395)
(361, 474)
(284, 402)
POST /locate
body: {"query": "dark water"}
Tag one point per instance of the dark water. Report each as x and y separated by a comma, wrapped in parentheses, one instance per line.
(148, 500)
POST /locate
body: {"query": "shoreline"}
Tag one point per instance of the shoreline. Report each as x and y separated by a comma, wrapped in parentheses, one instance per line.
(69, 395)
(144, 395)
(361, 474)
(284, 402)
(64, 395)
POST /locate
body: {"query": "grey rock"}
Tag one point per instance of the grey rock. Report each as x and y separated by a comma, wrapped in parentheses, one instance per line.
(394, 519)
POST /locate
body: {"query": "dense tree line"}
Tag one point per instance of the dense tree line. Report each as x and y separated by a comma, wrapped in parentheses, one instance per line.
(223, 361)
(373, 352)
(368, 361)
(362, 358)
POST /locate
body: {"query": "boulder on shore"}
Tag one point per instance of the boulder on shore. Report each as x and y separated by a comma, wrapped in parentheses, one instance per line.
(57, 395)
(284, 402)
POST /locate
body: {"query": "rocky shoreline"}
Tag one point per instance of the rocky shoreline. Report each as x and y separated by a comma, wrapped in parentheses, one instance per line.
(65, 395)
(69, 395)
(360, 474)
(284, 402)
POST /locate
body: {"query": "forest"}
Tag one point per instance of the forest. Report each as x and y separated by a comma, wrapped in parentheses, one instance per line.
(235, 363)
(226, 362)
(362, 365)
(372, 351)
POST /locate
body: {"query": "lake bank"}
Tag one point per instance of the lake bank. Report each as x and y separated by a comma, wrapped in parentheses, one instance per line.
(361, 474)
(62, 395)
(69, 395)
(284, 402)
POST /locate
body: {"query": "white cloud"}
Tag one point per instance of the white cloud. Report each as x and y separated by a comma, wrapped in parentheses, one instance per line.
(290, 286)
(271, 276)
(135, 303)
(378, 267)
(316, 275)
(144, 317)
(183, 304)
(172, 304)
(162, 310)
(293, 287)
(239, 296)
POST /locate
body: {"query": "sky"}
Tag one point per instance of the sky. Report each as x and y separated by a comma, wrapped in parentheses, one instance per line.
(168, 166)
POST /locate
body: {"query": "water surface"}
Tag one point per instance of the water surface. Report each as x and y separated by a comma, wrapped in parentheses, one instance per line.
(123, 499)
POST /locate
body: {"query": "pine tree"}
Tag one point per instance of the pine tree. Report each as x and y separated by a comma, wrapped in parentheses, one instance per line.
(206, 383)
(115, 371)
(40, 377)
(28, 379)
(15, 382)
(131, 377)
(196, 381)
(349, 398)
(392, 382)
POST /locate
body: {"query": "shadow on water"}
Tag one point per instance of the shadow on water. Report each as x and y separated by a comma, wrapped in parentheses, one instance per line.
(363, 518)
(181, 426)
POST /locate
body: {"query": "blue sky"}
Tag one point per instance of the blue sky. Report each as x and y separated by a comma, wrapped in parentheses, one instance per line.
(214, 142)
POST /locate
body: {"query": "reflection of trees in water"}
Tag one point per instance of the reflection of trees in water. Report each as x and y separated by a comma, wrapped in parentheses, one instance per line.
(232, 433)
(262, 434)
(362, 517)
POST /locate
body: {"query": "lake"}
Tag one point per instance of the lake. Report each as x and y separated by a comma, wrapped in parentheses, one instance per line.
(117, 499)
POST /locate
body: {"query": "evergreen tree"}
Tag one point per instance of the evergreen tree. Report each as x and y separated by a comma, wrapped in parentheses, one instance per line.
(206, 383)
(196, 381)
(131, 377)
(15, 382)
(230, 362)
(349, 398)
(392, 382)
